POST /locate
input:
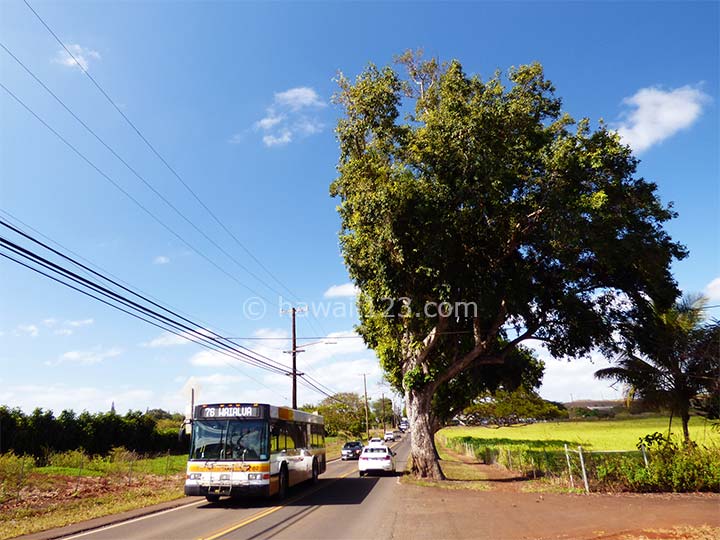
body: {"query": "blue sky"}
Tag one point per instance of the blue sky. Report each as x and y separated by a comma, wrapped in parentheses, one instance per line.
(236, 97)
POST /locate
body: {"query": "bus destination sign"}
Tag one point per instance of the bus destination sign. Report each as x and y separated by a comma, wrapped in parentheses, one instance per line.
(229, 411)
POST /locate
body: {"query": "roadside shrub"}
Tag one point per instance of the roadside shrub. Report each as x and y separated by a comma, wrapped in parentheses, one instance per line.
(13, 472)
(70, 458)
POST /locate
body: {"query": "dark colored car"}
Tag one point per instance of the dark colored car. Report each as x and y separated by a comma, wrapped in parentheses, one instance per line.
(351, 450)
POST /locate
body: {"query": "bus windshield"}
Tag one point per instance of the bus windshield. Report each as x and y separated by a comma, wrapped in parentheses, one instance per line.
(229, 440)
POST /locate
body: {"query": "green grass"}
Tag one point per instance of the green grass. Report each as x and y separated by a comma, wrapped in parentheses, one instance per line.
(593, 435)
(30, 520)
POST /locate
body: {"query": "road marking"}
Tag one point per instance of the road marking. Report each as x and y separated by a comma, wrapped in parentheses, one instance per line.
(93, 531)
(272, 510)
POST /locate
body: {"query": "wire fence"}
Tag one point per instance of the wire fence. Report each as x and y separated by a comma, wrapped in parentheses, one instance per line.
(575, 467)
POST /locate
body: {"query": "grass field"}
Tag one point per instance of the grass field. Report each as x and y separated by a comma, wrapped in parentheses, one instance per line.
(594, 435)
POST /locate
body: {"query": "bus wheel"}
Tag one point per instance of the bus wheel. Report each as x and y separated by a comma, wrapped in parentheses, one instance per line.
(283, 483)
(212, 498)
(314, 472)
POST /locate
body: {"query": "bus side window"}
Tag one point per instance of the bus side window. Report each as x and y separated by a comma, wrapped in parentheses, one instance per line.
(274, 438)
(289, 439)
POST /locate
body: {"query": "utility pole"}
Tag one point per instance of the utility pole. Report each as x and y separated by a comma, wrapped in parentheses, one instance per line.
(293, 312)
(382, 400)
(294, 361)
(367, 415)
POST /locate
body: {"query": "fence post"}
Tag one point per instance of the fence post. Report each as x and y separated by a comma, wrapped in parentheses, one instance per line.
(77, 482)
(567, 458)
(644, 453)
(21, 478)
(167, 463)
(584, 473)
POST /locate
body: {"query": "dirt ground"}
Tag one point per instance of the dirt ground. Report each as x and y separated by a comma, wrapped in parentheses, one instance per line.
(43, 490)
(507, 511)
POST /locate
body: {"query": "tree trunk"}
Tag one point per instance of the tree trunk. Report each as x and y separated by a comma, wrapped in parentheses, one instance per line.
(422, 444)
(685, 417)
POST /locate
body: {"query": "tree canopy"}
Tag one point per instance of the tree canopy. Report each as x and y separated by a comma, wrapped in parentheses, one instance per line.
(476, 215)
(507, 408)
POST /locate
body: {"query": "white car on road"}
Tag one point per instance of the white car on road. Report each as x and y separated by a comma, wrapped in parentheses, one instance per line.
(376, 459)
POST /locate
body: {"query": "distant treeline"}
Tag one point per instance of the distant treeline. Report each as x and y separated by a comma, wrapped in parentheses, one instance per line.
(41, 432)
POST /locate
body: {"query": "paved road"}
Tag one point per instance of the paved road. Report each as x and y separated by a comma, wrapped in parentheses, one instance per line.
(341, 505)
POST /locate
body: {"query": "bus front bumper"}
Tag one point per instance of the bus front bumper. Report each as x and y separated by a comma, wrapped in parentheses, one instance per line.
(248, 490)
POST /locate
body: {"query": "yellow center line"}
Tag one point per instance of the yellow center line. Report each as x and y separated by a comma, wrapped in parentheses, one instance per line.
(269, 511)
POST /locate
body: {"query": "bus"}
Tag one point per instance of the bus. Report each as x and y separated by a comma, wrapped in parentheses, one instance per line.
(252, 449)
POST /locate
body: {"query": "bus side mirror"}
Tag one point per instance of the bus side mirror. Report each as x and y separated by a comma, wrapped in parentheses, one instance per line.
(185, 431)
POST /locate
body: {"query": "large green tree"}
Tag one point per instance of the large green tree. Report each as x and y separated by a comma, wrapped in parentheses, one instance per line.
(506, 408)
(673, 360)
(382, 411)
(343, 413)
(476, 216)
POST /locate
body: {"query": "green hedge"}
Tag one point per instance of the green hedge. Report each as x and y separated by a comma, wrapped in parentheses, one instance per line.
(41, 433)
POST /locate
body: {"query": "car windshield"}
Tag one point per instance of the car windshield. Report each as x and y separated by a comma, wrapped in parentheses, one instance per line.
(352, 445)
(229, 440)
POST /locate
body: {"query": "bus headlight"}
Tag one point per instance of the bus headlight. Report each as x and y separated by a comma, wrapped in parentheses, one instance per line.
(194, 476)
(254, 476)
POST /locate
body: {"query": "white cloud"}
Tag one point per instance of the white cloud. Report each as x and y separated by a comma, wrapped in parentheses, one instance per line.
(27, 330)
(309, 126)
(49, 322)
(210, 359)
(574, 378)
(82, 322)
(82, 56)
(341, 291)
(59, 396)
(658, 114)
(63, 332)
(237, 138)
(288, 117)
(298, 98)
(269, 121)
(271, 333)
(161, 259)
(281, 139)
(86, 358)
(712, 290)
(166, 340)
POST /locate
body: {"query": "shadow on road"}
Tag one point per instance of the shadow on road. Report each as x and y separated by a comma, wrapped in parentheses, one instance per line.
(326, 492)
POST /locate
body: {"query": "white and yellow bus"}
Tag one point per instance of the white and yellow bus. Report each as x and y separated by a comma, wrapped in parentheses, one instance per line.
(239, 449)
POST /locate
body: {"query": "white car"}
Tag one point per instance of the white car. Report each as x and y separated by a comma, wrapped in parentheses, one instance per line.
(376, 441)
(376, 459)
(389, 436)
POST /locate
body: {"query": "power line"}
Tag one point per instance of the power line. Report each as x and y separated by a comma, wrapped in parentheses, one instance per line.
(288, 338)
(129, 196)
(137, 174)
(196, 331)
(10, 216)
(158, 155)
